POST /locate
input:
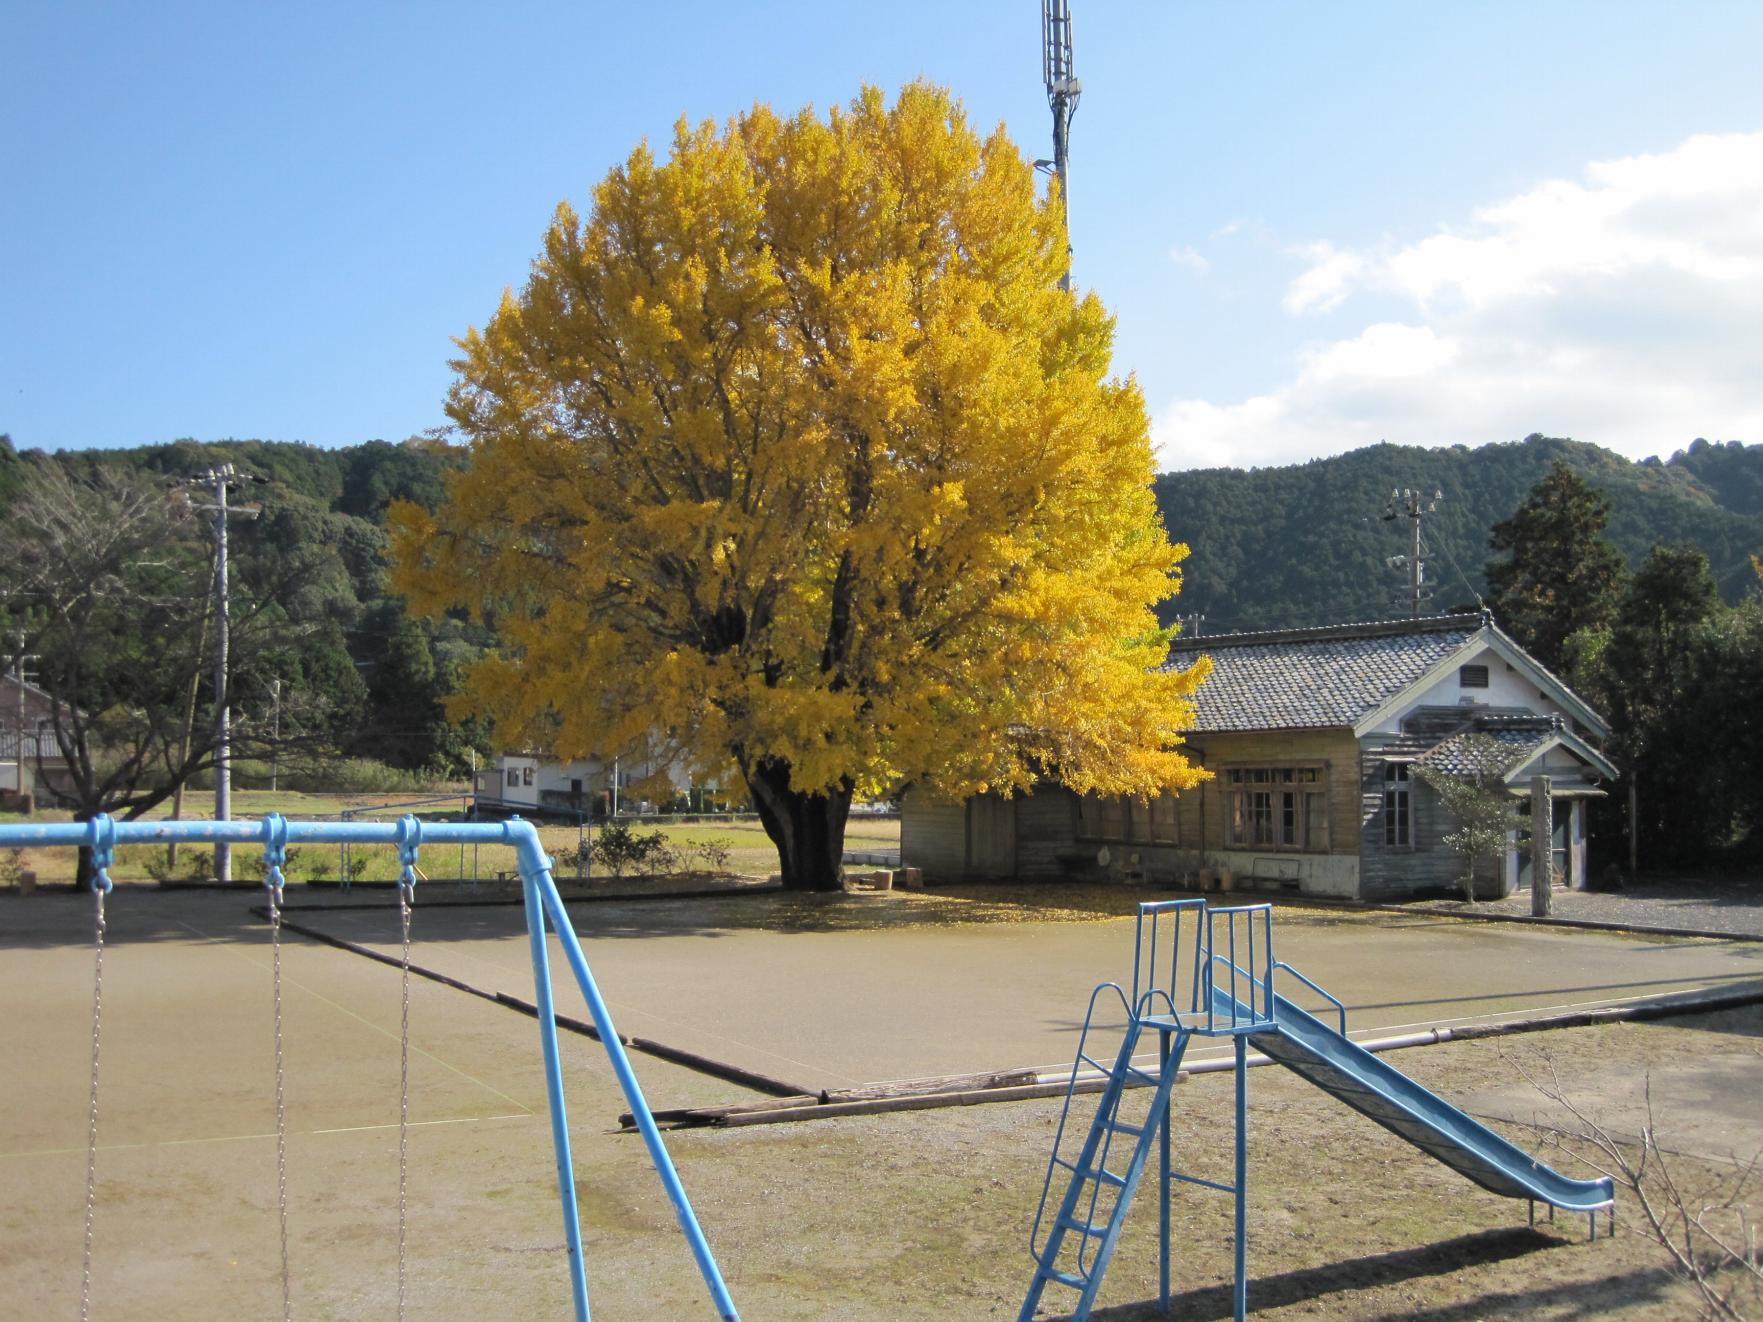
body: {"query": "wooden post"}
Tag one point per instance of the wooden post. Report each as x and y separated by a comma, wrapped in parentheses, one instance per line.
(1542, 849)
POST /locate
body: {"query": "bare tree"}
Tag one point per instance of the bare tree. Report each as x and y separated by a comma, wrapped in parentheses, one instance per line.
(108, 579)
(1706, 1230)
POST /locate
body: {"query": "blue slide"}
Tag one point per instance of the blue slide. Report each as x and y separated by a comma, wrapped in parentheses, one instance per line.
(1303, 1043)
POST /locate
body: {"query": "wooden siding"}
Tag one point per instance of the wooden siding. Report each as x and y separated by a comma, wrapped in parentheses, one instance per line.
(1394, 872)
(991, 836)
(1046, 827)
(933, 836)
(1204, 813)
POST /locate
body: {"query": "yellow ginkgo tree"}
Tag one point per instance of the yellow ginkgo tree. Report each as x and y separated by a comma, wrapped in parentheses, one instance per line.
(793, 458)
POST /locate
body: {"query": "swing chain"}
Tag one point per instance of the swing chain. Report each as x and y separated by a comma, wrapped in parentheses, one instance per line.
(409, 841)
(275, 856)
(101, 841)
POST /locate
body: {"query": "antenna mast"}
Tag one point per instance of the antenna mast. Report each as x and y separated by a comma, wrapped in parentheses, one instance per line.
(1063, 91)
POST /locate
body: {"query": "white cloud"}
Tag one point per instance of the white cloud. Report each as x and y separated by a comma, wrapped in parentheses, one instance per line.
(1329, 280)
(1185, 256)
(1625, 308)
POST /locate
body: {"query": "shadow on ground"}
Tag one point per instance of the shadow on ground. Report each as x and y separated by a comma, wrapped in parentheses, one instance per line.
(1318, 1285)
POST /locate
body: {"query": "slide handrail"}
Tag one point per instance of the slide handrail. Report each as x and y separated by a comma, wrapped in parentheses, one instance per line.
(1326, 995)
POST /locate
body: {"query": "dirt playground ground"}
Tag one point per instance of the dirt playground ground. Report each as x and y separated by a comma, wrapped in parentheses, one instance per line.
(909, 1215)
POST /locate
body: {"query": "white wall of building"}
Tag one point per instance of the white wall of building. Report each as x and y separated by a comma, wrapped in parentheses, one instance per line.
(1507, 687)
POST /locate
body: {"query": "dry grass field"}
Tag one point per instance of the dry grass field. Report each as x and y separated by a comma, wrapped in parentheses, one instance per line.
(900, 1216)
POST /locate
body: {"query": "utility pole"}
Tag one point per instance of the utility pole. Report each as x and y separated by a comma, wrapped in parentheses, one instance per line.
(18, 675)
(275, 735)
(177, 795)
(1413, 505)
(218, 480)
(1063, 91)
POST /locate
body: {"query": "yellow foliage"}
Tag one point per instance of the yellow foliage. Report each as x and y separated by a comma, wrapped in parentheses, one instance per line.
(794, 449)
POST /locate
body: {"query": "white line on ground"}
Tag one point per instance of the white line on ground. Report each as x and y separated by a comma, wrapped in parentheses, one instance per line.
(248, 1138)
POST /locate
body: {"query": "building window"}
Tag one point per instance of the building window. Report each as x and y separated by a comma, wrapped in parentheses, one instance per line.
(526, 775)
(513, 777)
(1398, 805)
(1278, 808)
(1127, 820)
(1472, 677)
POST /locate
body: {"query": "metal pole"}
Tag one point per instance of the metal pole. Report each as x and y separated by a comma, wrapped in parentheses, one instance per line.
(223, 771)
(572, 1227)
(1414, 564)
(1163, 1171)
(1240, 1290)
(535, 870)
(474, 793)
(177, 795)
(275, 747)
(1063, 91)
(18, 752)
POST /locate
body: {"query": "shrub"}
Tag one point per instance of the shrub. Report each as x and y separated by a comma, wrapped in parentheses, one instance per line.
(714, 854)
(11, 866)
(618, 847)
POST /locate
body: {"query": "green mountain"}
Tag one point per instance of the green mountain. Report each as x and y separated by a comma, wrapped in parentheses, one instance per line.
(1271, 547)
(1307, 544)
(316, 558)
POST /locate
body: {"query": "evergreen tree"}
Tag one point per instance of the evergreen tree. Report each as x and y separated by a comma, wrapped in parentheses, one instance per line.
(1663, 663)
(1560, 575)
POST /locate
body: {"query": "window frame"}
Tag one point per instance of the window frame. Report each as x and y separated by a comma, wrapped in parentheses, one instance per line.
(1397, 804)
(1125, 820)
(1281, 809)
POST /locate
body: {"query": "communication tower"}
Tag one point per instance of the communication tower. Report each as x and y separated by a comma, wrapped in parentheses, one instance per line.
(1063, 90)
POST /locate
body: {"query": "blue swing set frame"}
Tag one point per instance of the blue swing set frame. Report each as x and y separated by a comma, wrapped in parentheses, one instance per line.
(544, 911)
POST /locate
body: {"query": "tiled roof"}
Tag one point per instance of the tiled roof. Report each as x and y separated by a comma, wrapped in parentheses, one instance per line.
(1464, 755)
(1297, 679)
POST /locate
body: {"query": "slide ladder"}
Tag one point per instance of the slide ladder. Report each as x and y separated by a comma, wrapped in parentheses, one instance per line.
(1210, 972)
(1072, 1247)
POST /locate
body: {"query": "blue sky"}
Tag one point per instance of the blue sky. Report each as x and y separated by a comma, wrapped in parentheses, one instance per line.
(1320, 225)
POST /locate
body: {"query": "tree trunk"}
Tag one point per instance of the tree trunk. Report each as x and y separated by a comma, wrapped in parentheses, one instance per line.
(808, 829)
(83, 872)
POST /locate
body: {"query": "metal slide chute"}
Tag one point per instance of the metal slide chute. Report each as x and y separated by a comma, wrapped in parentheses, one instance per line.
(1308, 1047)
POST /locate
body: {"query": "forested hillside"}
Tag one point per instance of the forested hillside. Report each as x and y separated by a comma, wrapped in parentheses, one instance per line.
(1271, 548)
(350, 660)
(1307, 544)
